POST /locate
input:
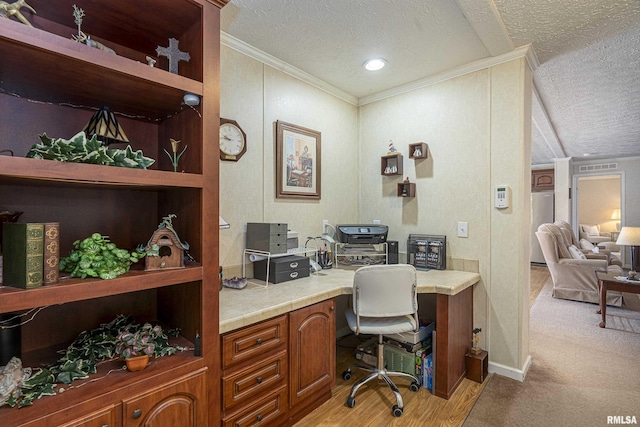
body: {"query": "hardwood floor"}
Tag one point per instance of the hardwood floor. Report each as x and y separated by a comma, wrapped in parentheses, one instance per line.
(374, 402)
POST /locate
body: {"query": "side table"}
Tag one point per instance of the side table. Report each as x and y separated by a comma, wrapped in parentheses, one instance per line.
(477, 366)
(608, 282)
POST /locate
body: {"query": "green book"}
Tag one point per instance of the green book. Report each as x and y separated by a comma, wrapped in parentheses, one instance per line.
(23, 254)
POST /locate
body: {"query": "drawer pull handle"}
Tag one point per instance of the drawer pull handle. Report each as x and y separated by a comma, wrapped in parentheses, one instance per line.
(259, 417)
(293, 265)
(259, 379)
(259, 341)
(137, 413)
(294, 274)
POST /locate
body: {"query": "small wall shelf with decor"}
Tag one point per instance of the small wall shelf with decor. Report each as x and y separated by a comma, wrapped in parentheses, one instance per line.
(407, 189)
(418, 150)
(391, 164)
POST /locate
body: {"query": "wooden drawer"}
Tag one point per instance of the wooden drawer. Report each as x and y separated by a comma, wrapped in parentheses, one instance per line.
(244, 386)
(265, 411)
(255, 342)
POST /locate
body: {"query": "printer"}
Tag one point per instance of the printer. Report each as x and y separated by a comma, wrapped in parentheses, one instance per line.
(367, 234)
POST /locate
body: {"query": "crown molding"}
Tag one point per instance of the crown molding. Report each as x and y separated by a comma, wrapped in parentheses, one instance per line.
(250, 51)
(471, 67)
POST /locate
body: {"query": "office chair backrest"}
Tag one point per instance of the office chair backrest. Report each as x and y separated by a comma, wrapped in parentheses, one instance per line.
(385, 291)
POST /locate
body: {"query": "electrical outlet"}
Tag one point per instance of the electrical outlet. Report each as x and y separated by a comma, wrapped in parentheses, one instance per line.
(463, 229)
(376, 221)
(325, 222)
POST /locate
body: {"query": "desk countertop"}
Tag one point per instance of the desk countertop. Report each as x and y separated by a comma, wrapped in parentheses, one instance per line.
(254, 303)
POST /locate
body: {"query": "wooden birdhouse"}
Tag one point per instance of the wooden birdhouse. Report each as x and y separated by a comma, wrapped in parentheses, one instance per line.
(165, 250)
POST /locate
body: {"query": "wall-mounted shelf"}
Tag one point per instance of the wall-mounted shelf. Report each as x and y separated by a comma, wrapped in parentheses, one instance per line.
(391, 164)
(407, 189)
(418, 150)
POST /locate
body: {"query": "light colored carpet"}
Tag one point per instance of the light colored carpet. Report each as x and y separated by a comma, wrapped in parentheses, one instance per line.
(580, 373)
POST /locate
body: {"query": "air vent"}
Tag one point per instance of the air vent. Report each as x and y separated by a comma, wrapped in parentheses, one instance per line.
(598, 167)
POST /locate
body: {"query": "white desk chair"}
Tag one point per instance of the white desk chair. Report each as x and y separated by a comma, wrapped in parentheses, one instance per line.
(385, 302)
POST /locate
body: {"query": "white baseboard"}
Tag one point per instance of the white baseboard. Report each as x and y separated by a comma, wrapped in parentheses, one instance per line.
(509, 372)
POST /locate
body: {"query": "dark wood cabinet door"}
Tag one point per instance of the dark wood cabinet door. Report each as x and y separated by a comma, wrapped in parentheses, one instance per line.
(542, 179)
(180, 403)
(312, 351)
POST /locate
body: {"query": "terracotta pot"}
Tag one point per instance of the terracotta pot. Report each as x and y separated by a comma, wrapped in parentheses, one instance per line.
(137, 363)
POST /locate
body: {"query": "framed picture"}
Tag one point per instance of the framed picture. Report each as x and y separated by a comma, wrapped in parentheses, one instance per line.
(297, 162)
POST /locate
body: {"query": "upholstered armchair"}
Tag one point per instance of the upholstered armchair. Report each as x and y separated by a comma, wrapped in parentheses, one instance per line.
(589, 249)
(572, 272)
(592, 233)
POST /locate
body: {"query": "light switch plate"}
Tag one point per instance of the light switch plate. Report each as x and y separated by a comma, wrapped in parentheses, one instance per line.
(463, 229)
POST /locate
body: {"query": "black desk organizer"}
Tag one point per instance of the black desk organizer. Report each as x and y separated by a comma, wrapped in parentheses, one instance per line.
(426, 251)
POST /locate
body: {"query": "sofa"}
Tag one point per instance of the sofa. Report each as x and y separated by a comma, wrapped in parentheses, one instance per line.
(572, 271)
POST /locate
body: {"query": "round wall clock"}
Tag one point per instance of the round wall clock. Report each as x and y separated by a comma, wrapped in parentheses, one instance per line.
(233, 140)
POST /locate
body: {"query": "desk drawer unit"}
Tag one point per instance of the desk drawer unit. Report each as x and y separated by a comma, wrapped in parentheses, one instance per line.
(270, 410)
(282, 269)
(254, 342)
(244, 386)
(267, 237)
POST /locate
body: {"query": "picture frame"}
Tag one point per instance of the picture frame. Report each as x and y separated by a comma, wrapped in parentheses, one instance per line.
(298, 162)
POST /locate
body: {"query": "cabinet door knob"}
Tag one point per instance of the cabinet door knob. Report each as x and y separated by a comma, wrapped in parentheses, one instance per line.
(259, 417)
(332, 308)
(137, 413)
(259, 379)
(259, 341)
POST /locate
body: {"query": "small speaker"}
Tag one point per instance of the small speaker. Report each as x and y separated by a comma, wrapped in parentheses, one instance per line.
(392, 247)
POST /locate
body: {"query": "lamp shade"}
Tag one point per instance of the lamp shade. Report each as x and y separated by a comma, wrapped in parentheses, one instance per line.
(629, 236)
(104, 124)
(615, 214)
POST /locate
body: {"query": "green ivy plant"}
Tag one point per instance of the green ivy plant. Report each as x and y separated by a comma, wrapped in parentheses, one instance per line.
(81, 358)
(79, 149)
(96, 256)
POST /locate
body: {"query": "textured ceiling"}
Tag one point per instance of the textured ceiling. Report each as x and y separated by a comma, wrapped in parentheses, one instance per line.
(588, 83)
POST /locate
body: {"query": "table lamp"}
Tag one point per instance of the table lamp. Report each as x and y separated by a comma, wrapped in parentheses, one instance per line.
(615, 215)
(630, 236)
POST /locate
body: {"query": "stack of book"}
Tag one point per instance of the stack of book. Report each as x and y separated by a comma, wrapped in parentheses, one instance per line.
(30, 254)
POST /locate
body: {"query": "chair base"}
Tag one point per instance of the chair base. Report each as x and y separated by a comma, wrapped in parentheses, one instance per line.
(382, 373)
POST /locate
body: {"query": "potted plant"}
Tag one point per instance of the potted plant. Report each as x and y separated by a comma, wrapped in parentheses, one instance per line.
(135, 345)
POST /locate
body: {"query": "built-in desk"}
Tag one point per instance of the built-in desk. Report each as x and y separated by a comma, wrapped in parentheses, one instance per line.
(454, 311)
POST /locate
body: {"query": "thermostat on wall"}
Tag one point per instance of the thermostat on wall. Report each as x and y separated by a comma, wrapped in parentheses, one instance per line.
(502, 195)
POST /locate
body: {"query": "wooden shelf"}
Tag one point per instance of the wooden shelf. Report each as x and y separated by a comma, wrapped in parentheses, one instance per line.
(407, 189)
(70, 290)
(26, 169)
(53, 69)
(393, 162)
(105, 386)
(67, 81)
(418, 150)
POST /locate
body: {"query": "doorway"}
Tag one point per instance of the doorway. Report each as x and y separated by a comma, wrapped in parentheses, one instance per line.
(598, 201)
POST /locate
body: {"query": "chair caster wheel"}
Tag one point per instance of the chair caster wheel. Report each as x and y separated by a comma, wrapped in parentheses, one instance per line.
(414, 386)
(351, 402)
(396, 411)
(346, 375)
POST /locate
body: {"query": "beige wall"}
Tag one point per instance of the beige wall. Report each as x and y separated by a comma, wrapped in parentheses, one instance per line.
(597, 198)
(477, 127)
(256, 96)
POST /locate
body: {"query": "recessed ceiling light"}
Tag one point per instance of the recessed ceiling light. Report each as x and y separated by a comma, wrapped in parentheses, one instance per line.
(375, 64)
